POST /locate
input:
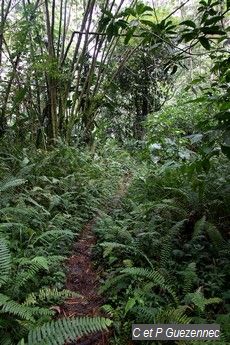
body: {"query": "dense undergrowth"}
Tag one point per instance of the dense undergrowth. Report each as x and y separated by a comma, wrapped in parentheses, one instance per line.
(143, 95)
(46, 198)
(166, 251)
(165, 248)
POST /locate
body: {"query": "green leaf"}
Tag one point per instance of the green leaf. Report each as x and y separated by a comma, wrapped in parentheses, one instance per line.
(129, 35)
(226, 150)
(190, 35)
(103, 22)
(112, 31)
(5, 261)
(129, 305)
(141, 8)
(189, 23)
(212, 30)
(213, 20)
(175, 67)
(59, 331)
(122, 23)
(11, 184)
(204, 42)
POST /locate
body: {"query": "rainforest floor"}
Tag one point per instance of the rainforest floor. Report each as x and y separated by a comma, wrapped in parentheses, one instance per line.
(84, 278)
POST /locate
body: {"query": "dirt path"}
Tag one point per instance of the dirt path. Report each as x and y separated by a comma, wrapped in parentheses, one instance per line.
(84, 279)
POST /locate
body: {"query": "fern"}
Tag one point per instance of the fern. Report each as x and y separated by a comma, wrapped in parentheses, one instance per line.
(167, 243)
(27, 313)
(46, 294)
(199, 227)
(35, 265)
(109, 246)
(211, 230)
(152, 275)
(173, 315)
(14, 182)
(108, 309)
(35, 203)
(198, 299)
(145, 314)
(183, 193)
(65, 330)
(6, 339)
(13, 225)
(190, 277)
(172, 209)
(111, 282)
(214, 235)
(5, 262)
(50, 235)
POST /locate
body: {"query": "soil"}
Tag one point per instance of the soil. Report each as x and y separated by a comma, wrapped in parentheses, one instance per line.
(84, 279)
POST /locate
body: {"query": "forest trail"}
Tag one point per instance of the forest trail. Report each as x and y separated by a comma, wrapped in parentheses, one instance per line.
(83, 278)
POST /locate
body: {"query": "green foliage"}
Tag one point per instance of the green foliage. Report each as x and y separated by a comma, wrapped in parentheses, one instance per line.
(166, 249)
(4, 261)
(46, 197)
(62, 330)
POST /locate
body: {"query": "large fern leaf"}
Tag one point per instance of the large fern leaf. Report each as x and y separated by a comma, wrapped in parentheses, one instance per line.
(27, 313)
(14, 182)
(46, 294)
(5, 339)
(199, 227)
(173, 315)
(37, 264)
(4, 261)
(64, 330)
(152, 275)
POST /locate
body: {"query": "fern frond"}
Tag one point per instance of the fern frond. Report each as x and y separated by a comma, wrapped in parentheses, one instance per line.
(213, 300)
(199, 227)
(145, 314)
(64, 330)
(5, 261)
(5, 339)
(151, 275)
(190, 277)
(214, 235)
(14, 182)
(14, 225)
(173, 315)
(184, 194)
(198, 299)
(49, 235)
(35, 203)
(26, 212)
(46, 294)
(108, 309)
(111, 282)
(154, 276)
(36, 264)
(167, 241)
(124, 236)
(211, 230)
(171, 208)
(9, 306)
(166, 251)
(109, 246)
